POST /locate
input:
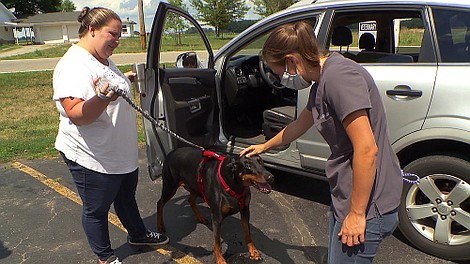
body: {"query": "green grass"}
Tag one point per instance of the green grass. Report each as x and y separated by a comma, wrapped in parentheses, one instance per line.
(29, 120)
(7, 47)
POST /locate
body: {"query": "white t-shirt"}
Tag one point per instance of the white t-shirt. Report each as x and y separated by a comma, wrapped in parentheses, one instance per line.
(108, 145)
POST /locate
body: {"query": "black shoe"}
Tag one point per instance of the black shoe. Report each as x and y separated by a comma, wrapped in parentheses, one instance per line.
(150, 239)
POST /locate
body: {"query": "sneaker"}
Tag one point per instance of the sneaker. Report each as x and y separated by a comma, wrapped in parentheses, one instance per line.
(150, 239)
(112, 260)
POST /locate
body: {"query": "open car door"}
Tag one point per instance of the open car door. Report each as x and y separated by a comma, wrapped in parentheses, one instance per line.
(177, 88)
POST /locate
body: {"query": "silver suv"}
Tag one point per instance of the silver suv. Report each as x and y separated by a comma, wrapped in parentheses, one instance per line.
(419, 55)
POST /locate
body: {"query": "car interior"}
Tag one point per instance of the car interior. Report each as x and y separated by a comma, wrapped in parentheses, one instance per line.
(255, 107)
(381, 48)
(254, 111)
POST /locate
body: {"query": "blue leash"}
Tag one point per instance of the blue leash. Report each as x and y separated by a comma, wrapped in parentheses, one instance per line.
(406, 177)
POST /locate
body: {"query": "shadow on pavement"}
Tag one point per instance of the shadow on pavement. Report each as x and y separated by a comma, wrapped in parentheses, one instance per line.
(301, 186)
(181, 225)
(4, 251)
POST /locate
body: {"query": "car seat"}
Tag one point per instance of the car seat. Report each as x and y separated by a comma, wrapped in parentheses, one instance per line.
(367, 42)
(342, 36)
(275, 119)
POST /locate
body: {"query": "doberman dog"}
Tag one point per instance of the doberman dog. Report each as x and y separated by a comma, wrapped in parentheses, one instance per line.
(223, 182)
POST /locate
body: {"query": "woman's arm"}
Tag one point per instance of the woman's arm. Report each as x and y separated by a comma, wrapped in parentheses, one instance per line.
(288, 134)
(82, 112)
(360, 133)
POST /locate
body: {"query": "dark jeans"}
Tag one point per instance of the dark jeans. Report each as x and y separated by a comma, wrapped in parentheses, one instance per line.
(98, 191)
(377, 229)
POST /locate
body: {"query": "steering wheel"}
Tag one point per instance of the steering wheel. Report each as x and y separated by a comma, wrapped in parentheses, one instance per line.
(268, 76)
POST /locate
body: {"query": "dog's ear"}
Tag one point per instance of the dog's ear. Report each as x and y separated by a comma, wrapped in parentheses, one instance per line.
(234, 164)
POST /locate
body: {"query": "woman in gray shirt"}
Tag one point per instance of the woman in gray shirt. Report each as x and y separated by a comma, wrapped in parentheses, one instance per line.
(346, 108)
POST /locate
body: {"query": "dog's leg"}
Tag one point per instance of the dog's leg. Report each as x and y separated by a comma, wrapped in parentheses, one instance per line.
(216, 225)
(192, 201)
(168, 191)
(245, 219)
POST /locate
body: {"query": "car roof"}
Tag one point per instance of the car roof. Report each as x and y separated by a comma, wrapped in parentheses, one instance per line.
(327, 3)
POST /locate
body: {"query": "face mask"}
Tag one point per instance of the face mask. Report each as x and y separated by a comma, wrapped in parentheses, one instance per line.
(295, 81)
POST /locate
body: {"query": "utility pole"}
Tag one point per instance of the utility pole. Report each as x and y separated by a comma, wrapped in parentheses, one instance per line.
(143, 34)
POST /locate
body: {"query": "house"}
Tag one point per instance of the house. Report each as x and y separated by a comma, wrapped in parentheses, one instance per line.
(6, 28)
(52, 28)
(61, 27)
(127, 28)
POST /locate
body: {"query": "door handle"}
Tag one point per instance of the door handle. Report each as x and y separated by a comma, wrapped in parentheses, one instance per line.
(194, 105)
(404, 90)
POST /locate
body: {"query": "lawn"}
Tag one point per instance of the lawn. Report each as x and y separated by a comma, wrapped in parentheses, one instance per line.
(29, 120)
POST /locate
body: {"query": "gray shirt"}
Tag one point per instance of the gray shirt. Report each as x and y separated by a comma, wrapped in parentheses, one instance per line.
(344, 88)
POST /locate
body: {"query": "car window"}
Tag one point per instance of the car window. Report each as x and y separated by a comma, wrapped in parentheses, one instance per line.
(453, 34)
(254, 46)
(380, 36)
(182, 46)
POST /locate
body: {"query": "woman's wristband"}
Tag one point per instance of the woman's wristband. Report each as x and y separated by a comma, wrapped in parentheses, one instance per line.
(103, 97)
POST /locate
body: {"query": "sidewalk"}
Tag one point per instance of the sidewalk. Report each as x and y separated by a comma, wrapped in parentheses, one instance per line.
(23, 49)
(24, 65)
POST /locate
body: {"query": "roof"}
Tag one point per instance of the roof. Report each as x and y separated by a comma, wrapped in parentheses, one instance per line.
(128, 21)
(10, 14)
(422, 2)
(51, 17)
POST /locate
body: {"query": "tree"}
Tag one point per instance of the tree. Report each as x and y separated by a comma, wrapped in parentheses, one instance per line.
(67, 6)
(29, 7)
(219, 13)
(265, 8)
(239, 26)
(174, 23)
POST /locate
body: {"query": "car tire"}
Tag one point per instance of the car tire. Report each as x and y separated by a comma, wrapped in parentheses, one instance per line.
(435, 214)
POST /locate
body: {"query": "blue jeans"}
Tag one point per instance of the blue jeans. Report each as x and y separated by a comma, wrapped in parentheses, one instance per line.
(377, 229)
(98, 191)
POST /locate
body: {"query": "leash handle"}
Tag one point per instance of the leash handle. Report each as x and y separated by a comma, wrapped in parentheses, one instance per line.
(406, 175)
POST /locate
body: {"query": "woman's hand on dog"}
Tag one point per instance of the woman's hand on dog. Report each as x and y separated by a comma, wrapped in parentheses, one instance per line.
(253, 150)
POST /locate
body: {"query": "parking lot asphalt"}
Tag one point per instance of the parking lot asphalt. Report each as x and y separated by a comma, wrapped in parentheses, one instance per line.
(40, 222)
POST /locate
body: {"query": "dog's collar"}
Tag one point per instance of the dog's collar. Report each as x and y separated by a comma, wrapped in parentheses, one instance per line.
(210, 155)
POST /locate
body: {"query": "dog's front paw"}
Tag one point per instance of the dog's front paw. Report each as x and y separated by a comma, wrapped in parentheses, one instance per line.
(220, 261)
(255, 255)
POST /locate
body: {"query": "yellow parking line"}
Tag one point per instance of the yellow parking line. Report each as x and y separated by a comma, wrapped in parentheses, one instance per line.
(167, 250)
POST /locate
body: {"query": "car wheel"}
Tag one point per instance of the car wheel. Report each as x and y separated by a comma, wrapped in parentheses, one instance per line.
(435, 214)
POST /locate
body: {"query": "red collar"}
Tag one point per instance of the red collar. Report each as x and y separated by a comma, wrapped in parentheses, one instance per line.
(210, 155)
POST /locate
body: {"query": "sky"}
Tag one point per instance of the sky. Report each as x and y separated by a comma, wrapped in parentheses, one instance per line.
(128, 9)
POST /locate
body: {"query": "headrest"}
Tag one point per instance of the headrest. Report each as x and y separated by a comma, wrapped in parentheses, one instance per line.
(367, 41)
(342, 36)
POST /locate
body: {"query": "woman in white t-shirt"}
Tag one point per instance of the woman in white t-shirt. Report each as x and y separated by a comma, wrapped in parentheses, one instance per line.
(97, 134)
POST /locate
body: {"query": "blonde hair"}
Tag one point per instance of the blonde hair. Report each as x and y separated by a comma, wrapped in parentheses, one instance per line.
(97, 17)
(292, 38)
